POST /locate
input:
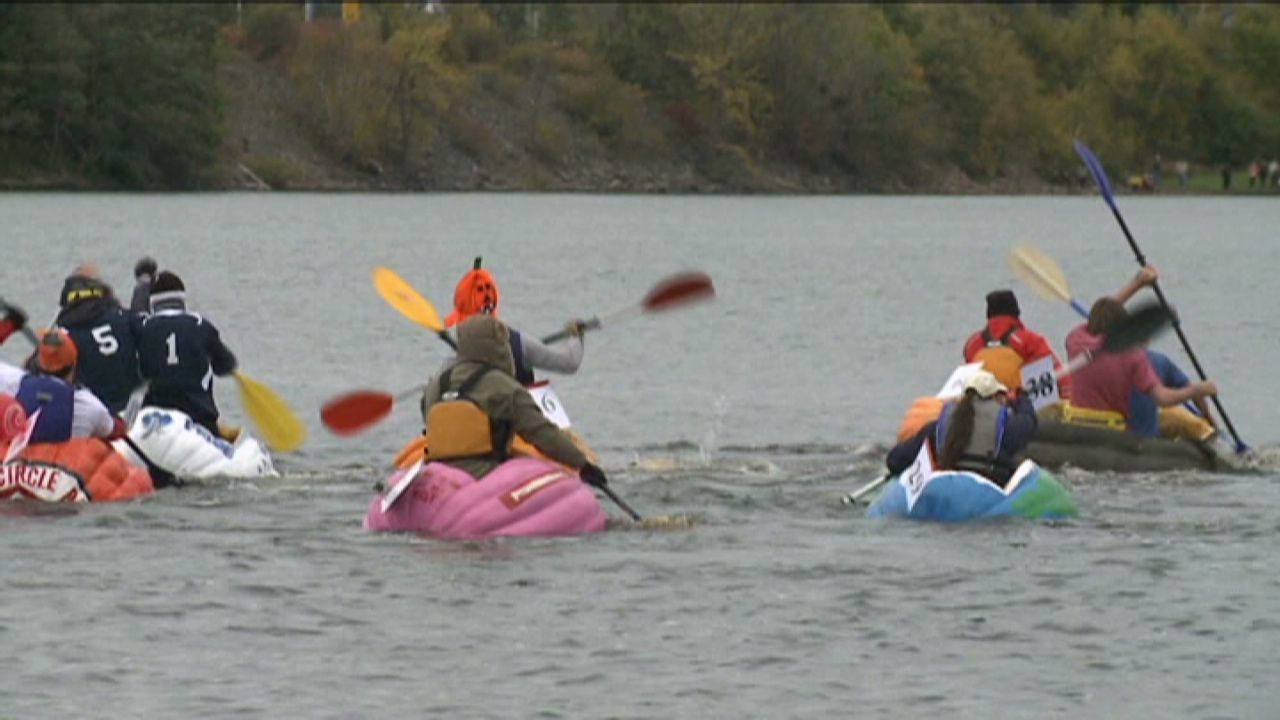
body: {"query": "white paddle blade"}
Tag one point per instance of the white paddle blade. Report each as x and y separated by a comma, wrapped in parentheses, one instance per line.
(1040, 272)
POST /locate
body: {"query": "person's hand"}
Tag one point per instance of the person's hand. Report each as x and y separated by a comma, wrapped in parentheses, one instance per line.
(16, 316)
(1206, 387)
(1147, 275)
(145, 266)
(592, 475)
(575, 327)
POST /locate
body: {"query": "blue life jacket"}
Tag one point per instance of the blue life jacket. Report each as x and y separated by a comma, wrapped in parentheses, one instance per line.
(55, 399)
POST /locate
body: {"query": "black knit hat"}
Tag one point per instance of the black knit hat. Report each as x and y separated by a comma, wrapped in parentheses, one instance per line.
(1002, 302)
(167, 282)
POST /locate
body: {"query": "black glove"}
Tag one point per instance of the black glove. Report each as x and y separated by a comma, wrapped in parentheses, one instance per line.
(16, 316)
(593, 476)
(146, 266)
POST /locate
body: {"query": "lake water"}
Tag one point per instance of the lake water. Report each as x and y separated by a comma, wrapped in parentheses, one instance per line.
(751, 415)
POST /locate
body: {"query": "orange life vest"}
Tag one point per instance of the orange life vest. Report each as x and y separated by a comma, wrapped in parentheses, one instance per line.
(1001, 360)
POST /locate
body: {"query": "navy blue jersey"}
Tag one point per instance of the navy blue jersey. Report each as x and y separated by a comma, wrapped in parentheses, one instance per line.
(108, 357)
(179, 352)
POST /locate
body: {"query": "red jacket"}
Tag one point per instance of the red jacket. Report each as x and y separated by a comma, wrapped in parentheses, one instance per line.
(1030, 345)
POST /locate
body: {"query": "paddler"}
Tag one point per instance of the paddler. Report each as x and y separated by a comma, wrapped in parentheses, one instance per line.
(179, 353)
(982, 432)
(1004, 344)
(477, 292)
(474, 408)
(104, 334)
(66, 410)
(1106, 385)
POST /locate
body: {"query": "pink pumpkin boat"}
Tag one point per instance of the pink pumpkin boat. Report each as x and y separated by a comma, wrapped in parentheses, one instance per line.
(523, 496)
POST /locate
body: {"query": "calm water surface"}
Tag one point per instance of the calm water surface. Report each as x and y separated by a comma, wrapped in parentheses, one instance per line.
(751, 415)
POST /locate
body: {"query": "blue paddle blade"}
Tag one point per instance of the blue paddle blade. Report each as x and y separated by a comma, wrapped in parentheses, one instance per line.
(1095, 168)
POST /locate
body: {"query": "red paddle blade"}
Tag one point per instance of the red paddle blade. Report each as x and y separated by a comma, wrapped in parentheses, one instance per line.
(679, 289)
(355, 411)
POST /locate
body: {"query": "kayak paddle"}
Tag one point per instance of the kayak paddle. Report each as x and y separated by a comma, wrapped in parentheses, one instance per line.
(26, 331)
(1043, 275)
(669, 293)
(279, 426)
(400, 295)
(357, 410)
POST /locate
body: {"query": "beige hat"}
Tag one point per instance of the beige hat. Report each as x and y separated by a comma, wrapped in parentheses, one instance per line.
(985, 384)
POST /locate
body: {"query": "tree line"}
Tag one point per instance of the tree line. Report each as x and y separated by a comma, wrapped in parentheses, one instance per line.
(128, 96)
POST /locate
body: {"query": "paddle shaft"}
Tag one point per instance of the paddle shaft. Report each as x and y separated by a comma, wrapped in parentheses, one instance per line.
(853, 497)
(160, 477)
(1177, 326)
(618, 501)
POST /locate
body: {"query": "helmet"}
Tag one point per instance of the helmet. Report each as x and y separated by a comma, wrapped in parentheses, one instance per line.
(477, 292)
(79, 287)
(57, 351)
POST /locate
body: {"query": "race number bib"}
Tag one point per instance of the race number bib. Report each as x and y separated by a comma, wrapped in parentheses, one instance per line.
(954, 385)
(916, 477)
(549, 403)
(1039, 383)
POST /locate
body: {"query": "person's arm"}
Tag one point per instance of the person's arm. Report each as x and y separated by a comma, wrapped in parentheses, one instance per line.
(529, 422)
(221, 358)
(10, 378)
(1144, 277)
(1020, 427)
(143, 273)
(1202, 406)
(101, 423)
(905, 452)
(563, 357)
(1172, 376)
(1166, 396)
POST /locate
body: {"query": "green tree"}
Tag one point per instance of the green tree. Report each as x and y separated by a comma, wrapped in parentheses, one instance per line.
(984, 88)
(42, 87)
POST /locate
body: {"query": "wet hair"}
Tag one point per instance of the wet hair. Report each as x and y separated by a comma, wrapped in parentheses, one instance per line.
(1104, 315)
(959, 431)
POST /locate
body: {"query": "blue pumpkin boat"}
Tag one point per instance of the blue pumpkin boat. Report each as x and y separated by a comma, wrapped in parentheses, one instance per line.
(959, 496)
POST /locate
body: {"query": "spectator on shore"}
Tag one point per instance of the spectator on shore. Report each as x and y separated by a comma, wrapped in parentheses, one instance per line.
(1181, 168)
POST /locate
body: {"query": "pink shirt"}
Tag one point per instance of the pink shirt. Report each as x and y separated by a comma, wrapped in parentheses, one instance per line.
(1106, 383)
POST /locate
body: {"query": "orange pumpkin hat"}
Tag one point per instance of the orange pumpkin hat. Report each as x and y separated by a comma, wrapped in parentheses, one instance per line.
(57, 351)
(477, 292)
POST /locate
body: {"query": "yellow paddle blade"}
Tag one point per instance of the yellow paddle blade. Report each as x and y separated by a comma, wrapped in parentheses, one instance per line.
(400, 295)
(1040, 272)
(279, 427)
